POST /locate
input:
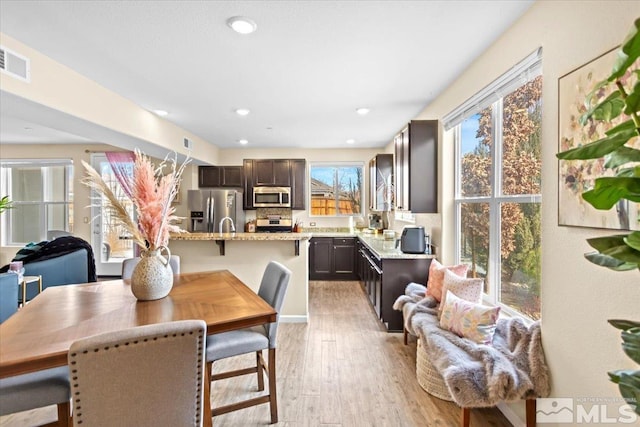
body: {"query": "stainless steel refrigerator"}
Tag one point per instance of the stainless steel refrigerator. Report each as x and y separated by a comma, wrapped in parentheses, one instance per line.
(207, 207)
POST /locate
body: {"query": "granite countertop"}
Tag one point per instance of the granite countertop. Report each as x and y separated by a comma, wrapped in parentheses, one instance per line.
(380, 247)
(241, 236)
(386, 249)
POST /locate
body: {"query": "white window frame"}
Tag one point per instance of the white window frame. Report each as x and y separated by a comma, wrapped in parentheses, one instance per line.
(492, 96)
(5, 189)
(357, 164)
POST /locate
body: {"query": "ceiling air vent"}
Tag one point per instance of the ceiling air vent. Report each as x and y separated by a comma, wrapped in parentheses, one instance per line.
(14, 65)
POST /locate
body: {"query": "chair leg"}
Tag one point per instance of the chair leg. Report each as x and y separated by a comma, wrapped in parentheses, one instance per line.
(259, 365)
(273, 403)
(406, 335)
(531, 412)
(466, 417)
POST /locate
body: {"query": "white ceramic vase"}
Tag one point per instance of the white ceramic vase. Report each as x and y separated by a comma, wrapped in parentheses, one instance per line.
(153, 277)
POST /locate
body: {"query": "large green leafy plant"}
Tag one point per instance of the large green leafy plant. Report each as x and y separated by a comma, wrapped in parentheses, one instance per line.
(618, 252)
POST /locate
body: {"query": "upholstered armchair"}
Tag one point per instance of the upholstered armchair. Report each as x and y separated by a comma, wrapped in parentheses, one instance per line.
(8, 295)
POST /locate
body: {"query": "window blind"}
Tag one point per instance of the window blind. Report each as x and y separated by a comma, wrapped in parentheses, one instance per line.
(521, 73)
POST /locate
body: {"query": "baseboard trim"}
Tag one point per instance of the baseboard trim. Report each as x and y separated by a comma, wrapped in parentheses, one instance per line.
(513, 418)
(293, 319)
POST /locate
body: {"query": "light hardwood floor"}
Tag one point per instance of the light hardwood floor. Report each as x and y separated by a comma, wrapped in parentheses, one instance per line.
(340, 369)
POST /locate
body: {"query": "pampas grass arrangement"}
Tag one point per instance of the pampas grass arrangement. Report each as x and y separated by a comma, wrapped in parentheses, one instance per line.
(152, 193)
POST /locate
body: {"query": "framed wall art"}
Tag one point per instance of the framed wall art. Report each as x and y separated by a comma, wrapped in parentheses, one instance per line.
(576, 176)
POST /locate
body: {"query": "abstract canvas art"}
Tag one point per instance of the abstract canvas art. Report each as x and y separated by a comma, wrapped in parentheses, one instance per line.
(576, 176)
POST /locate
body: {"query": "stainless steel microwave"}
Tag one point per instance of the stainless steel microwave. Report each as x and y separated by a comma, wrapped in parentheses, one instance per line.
(272, 197)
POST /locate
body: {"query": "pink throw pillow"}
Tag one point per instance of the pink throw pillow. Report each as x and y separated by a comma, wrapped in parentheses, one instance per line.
(468, 320)
(436, 277)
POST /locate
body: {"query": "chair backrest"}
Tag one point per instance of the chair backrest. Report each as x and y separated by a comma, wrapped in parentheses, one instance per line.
(52, 234)
(8, 295)
(130, 263)
(144, 376)
(273, 288)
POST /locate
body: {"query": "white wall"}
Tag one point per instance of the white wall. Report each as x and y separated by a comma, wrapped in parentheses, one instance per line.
(577, 297)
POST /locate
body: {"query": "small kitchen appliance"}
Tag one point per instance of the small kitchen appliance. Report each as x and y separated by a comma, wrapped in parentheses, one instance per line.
(271, 197)
(413, 240)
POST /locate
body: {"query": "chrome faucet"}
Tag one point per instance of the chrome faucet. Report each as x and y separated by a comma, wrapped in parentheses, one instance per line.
(233, 227)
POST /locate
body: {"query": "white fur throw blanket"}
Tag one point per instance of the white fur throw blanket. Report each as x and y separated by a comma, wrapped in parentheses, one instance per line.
(478, 375)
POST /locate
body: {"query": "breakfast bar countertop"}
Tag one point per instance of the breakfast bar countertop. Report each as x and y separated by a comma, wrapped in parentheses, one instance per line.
(241, 236)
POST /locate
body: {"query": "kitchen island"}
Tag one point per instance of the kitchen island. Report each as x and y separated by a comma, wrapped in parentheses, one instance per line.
(246, 255)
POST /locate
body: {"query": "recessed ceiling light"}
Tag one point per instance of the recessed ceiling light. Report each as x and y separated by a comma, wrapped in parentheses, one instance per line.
(242, 25)
(350, 141)
(363, 111)
(243, 142)
(161, 113)
(243, 111)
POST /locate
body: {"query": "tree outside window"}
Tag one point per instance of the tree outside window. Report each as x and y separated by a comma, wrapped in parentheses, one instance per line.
(498, 181)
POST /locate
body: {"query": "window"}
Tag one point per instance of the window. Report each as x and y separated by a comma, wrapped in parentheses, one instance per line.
(498, 176)
(42, 198)
(336, 189)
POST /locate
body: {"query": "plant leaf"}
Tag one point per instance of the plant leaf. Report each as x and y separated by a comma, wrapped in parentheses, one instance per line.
(631, 343)
(610, 262)
(633, 240)
(623, 324)
(628, 53)
(599, 148)
(609, 190)
(604, 243)
(626, 125)
(608, 109)
(632, 102)
(629, 386)
(621, 156)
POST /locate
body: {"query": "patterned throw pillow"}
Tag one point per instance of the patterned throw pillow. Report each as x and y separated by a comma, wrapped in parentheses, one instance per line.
(468, 289)
(466, 319)
(436, 277)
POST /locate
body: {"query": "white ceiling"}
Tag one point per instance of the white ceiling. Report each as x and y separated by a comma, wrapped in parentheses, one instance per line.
(302, 74)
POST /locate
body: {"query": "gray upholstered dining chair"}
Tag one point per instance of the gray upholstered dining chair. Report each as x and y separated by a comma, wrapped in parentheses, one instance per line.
(34, 390)
(150, 375)
(273, 287)
(130, 263)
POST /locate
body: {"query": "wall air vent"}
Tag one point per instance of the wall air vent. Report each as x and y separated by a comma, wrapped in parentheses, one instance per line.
(188, 144)
(14, 64)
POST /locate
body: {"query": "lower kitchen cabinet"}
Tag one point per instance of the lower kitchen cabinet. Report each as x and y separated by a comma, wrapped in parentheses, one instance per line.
(332, 258)
(384, 280)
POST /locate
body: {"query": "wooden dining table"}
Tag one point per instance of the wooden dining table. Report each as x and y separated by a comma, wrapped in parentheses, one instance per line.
(39, 335)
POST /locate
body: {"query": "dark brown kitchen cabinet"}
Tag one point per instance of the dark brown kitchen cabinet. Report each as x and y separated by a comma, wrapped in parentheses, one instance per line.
(416, 167)
(380, 182)
(247, 168)
(220, 176)
(276, 172)
(385, 279)
(332, 258)
(298, 179)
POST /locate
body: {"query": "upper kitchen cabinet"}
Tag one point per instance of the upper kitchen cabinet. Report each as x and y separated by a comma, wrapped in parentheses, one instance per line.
(276, 172)
(380, 180)
(416, 167)
(220, 176)
(298, 180)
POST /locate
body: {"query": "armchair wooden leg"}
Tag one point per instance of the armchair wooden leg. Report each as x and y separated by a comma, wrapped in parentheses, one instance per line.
(406, 335)
(466, 417)
(531, 412)
(273, 403)
(64, 414)
(259, 365)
